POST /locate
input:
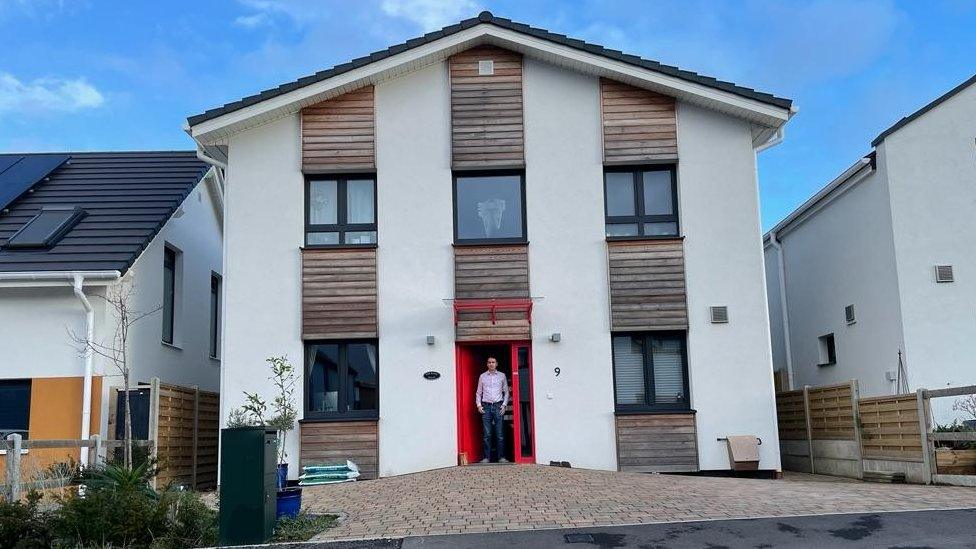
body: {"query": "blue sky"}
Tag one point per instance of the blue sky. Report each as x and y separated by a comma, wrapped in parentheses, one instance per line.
(89, 75)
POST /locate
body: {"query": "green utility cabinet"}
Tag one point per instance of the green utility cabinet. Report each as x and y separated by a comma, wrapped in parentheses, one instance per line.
(248, 484)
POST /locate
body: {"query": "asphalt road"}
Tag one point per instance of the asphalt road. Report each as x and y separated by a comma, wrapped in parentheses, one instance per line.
(915, 529)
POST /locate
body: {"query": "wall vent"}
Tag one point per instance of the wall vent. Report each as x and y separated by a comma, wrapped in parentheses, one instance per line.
(849, 314)
(943, 273)
(486, 67)
(720, 314)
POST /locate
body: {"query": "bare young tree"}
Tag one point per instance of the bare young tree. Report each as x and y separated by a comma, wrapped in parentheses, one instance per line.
(116, 348)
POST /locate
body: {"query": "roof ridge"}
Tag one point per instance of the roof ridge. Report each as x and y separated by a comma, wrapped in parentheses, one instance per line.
(486, 17)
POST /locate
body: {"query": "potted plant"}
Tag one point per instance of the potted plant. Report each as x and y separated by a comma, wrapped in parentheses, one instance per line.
(283, 415)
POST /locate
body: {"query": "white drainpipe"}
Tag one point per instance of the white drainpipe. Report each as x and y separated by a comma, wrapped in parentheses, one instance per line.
(86, 396)
(784, 308)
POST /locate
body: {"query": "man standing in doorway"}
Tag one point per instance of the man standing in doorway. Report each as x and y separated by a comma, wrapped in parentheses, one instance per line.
(491, 399)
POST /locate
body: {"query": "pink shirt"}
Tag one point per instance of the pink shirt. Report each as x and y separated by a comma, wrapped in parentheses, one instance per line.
(492, 387)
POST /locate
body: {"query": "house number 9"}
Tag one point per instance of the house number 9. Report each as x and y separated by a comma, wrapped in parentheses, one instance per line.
(557, 370)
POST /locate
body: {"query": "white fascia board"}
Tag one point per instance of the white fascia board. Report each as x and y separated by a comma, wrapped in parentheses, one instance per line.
(211, 131)
(834, 190)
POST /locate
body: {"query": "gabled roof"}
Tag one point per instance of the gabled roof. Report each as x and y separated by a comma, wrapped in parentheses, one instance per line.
(127, 196)
(907, 119)
(486, 28)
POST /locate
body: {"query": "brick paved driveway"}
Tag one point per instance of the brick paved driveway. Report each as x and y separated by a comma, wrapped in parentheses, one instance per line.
(524, 497)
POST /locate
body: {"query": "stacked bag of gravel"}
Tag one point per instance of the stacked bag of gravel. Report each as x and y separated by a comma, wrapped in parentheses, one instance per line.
(328, 474)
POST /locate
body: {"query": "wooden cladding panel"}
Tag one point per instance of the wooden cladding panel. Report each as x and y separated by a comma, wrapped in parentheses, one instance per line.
(659, 442)
(339, 134)
(338, 293)
(334, 442)
(647, 285)
(492, 272)
(638, 125)
(486, 111)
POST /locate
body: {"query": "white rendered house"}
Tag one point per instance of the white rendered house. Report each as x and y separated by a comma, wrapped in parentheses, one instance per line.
(76, 226)
(588, 218)
(881, 264)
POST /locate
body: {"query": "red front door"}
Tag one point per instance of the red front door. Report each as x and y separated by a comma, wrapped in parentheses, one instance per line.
(514, 359)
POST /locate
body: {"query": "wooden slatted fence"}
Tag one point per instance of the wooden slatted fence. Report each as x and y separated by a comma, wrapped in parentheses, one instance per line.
(890, 428)
(791, 415)
(186, 436)
(831, 412)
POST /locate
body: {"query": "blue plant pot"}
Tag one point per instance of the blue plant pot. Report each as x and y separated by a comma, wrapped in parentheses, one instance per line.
(289, 502)
(282, 476)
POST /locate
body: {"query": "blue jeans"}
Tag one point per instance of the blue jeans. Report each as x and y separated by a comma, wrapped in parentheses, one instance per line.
(491, 420)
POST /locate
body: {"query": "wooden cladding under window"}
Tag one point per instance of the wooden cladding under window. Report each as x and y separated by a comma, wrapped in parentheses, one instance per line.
(333, 442)
(657, 443)
(638, 125)
(339, 134)
(486, 111)
(492, 272)
(647, 285)
(338, 293)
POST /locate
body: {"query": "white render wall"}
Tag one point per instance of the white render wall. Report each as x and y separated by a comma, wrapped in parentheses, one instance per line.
(844, 255)
(264, 230)
(931, 164)
(729, 365)
(415, 272)
(568, 268)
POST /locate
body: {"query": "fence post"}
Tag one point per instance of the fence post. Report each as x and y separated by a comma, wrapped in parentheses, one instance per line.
(154, 420)
(95, 450)
(806, 415)
(13, 467)
(196, 432)
(928, 460)
(856, 412)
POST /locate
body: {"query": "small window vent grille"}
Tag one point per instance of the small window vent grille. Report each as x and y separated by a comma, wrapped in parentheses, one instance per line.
(943, 273)
(849, 314)
(486, 67)
(720, 314)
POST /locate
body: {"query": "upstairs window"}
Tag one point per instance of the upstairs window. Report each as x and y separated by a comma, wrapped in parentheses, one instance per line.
(214, 315)
(641, 202)
(489, 207)
(650, 372)
(170, 288)
(828, 351)
(340, 211)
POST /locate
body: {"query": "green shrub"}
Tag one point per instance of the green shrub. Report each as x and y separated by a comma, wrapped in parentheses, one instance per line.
(109, 516)
(191, 522)
(24, 525)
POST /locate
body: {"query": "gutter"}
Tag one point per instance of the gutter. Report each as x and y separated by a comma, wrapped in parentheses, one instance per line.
(76, 279)
(774, 140)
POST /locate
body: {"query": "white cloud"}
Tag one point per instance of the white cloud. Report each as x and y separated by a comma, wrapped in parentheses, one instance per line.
(47, 94)
(252, 21)
(431, 14)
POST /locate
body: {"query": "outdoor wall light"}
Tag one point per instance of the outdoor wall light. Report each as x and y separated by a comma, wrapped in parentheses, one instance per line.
(431, 340)
(555, 337)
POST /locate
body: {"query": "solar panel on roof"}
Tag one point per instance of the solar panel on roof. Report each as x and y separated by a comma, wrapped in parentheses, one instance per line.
(46, 228)
(20, 172)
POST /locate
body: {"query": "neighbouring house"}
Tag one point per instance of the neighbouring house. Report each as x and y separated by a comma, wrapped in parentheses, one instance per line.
(587, 217)
(874, 277)
(75, 226)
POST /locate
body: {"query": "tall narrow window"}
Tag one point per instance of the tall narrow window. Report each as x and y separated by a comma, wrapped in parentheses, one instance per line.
(169, 293)
(14, 407)
(489, 207)
(340, 211)
(650, 372)
(641, 202)
(214, 315)
(341, 379)
(828, 352)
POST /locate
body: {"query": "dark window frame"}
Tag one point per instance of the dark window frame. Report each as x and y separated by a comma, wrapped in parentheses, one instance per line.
(340, 226)
(454, 207)
(648, 359)
(170, 262)
(216, 285)
(69, 218)
(29, 382)
(340, 415)
(640, 218)
(830, 342)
